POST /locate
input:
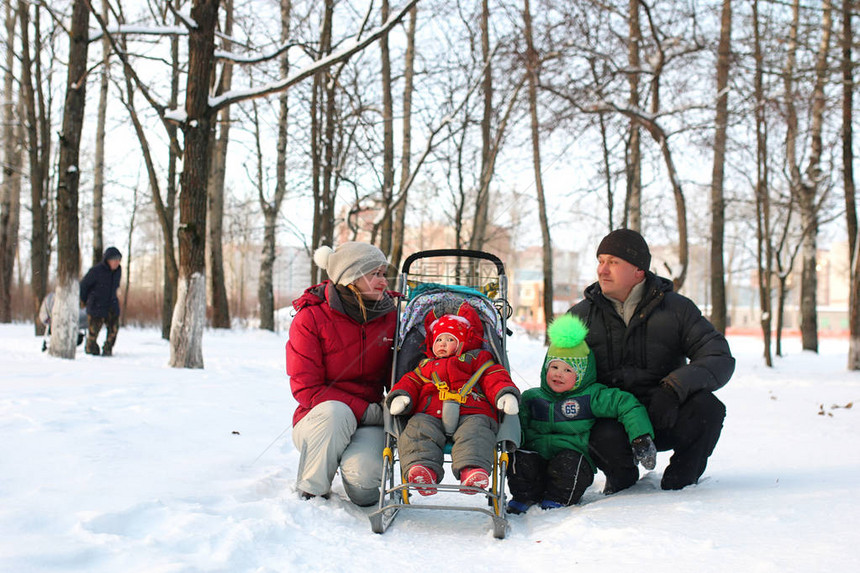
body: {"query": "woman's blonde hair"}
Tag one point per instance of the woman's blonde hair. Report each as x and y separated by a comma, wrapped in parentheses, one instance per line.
(360, 300)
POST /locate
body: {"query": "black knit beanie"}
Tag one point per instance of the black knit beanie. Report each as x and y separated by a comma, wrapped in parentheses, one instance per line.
(112, 253)
(628, 245)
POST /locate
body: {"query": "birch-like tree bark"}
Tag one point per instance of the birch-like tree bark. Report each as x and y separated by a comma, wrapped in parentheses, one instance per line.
(99, 164)
(189, 314)
(64, 318)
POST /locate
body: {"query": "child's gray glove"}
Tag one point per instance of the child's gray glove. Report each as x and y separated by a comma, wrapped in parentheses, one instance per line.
(508, 404)
(645, 452)
(399, 404)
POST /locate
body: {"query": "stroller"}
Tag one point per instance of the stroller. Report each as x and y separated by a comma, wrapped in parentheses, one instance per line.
(441, 280)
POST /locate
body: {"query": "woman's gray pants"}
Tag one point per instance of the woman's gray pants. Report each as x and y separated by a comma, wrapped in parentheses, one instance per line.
(329, 437)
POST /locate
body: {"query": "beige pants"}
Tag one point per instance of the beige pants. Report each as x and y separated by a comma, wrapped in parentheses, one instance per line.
(329, 437)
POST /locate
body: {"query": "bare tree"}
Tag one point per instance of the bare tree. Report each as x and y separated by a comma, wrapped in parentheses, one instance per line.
(805, 185)
(186, 333)
(764, 241)
(10, 192)
(848, 182)
(532, 65)
(406, 143)
(129, 256)
(64, 319)
(482, 206)
(214, 219)
(38, 143)
(718, 207)
(633, 200)
(99, 167)
(271, 208)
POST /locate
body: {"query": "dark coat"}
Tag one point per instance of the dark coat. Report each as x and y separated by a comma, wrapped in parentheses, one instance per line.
(668, 340)
(330, 356)
(98, 290)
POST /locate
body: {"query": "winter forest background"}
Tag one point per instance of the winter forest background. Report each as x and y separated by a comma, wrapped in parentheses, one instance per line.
(218, 143)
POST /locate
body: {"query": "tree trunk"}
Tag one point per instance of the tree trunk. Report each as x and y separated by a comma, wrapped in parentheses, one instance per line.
(39, 157)
(322, 144)
(386, 224)
(764, 241)
(171, 268)
(718, 207)
(482, 206)
(266, 293)
(847, 118)
(848, 182)
(807, 189)
(633, 201)
(10, 193)
(215, 216)
(532, 67)
(405, 159)
(189, 315)
(99, 168)
(129, 257)
(64, 319)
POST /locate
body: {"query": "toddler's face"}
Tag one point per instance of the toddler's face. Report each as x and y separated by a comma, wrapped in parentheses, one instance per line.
(445, 345)
(560, 376)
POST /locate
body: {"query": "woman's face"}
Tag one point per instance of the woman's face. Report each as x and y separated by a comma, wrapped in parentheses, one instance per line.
(372, 286)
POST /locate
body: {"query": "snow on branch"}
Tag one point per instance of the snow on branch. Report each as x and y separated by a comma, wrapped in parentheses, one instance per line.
(347, 50)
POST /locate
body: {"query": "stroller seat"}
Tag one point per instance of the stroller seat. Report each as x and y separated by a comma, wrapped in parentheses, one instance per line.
(396, 493)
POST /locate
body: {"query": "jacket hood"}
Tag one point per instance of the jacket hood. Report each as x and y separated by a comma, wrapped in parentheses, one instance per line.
(589, 378)
(312, 296)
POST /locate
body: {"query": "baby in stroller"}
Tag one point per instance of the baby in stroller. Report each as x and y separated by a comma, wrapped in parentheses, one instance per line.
(456, 392)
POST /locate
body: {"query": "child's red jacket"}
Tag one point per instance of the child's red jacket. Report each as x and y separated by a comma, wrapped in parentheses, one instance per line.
(456, 372)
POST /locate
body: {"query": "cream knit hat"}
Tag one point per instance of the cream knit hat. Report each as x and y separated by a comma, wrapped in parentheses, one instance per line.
(349, 261)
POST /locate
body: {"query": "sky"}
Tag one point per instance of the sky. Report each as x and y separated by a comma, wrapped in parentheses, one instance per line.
(124, 464)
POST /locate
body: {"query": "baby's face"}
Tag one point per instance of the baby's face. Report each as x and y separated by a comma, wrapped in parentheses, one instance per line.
(560, 376)
(445, 345)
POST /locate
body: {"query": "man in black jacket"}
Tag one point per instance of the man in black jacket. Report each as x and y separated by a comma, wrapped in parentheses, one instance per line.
(100, 295)
(655, 344)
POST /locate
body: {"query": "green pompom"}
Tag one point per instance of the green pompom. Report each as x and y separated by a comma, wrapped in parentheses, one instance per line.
(567, 331)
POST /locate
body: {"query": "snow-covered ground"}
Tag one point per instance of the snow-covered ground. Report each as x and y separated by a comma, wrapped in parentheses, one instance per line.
(123, 464)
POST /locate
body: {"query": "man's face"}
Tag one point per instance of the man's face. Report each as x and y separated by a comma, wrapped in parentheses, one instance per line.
(617, 277)
(113, 264)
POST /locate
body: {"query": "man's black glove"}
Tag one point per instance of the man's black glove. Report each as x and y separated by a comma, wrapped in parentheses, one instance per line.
(663, 408)
(645, 452)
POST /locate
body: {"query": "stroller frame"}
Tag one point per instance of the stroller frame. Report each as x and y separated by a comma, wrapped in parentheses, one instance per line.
(468, 271)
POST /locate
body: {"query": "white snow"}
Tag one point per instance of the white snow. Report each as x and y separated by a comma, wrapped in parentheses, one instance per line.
(124, 464)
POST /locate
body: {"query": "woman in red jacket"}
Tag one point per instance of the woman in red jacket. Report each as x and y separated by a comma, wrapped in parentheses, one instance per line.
(339, 361)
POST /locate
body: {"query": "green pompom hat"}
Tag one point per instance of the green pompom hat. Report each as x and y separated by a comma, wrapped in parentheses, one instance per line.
(567, 343)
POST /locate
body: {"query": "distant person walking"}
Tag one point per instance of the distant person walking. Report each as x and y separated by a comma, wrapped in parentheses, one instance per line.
(100, 296)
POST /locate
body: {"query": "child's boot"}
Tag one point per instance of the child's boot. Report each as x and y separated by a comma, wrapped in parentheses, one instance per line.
(516, 507)
(422, 475)
(474, 477)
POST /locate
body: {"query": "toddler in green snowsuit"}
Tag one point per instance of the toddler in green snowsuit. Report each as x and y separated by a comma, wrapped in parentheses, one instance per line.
(552, 466)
